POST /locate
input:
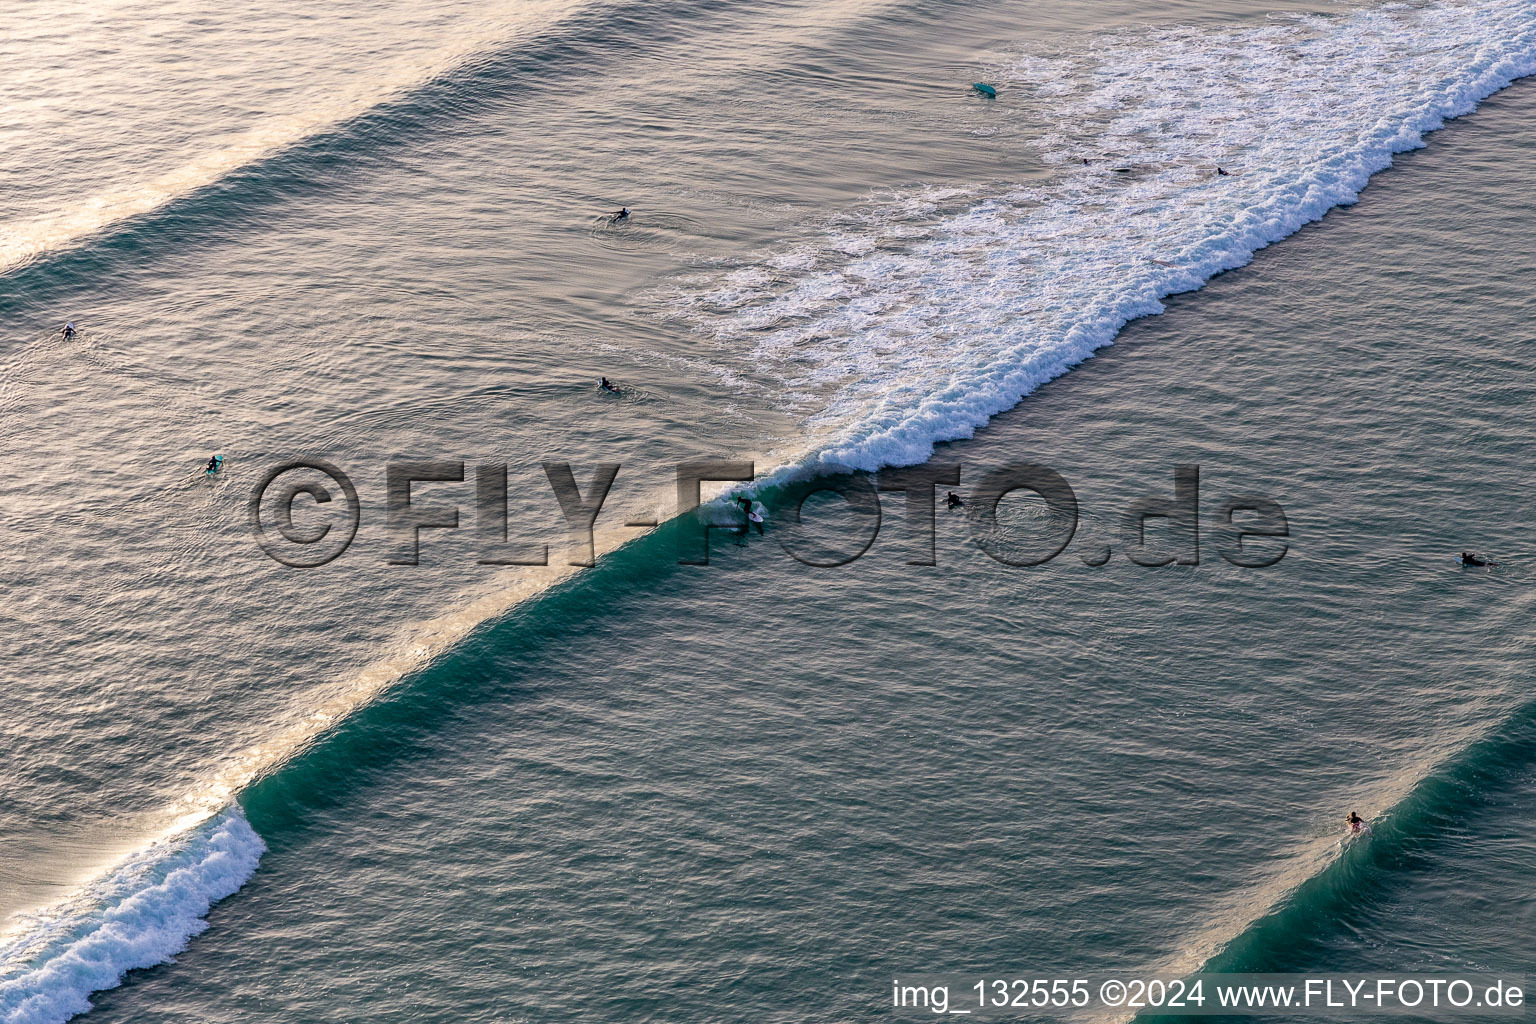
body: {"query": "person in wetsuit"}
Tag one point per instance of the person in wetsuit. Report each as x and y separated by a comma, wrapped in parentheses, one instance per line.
(608, 385)
(753, 517)
(1469, 559)
(68, 331)
(621, 215)
(952, 500)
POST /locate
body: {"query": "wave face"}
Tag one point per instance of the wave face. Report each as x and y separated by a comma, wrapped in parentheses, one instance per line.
(908, 325)
(142, 913)
(895, 334)
(1436, 806)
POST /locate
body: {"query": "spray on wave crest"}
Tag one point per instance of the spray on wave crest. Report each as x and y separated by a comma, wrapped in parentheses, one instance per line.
(140, 914)
(913, 321)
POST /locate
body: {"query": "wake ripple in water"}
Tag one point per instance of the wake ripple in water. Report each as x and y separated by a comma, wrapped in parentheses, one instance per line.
(656, 231)
(919, 325)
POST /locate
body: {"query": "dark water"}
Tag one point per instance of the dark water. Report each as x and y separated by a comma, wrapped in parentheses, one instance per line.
(757, 790)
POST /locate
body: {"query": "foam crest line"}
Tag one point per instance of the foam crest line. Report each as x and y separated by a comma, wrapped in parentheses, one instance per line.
(140, 914)
(914, 325)
(905, 348)
(143, 909)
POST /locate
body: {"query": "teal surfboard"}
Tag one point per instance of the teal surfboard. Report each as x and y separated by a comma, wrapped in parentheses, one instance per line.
(985, 89)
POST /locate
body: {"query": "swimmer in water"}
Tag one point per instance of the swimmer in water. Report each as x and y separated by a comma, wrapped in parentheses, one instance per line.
(1357, 825)
(952, 500)
(608, 385)
(68, 331)
(621, 215)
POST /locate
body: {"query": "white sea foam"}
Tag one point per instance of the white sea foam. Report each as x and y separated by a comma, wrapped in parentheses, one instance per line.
(139, 914)
(915, 319)
(915, 322)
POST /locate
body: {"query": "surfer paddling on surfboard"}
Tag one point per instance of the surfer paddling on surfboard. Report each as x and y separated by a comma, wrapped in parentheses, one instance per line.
(1357, 825)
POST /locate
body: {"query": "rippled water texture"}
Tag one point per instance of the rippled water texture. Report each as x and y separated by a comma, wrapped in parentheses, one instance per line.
(756, 790)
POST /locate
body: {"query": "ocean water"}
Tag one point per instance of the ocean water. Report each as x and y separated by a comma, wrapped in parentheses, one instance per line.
(758, 789)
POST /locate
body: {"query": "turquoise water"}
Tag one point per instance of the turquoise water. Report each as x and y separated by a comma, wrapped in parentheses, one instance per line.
(757, 790)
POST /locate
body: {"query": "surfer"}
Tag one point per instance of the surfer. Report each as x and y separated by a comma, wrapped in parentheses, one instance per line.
(745, 504)
(952, 500)
(753, 514)
(1221, 173)
(1469, 559)
(68, 331)
(1357, 825)
(621, 215)
(608, 385)
(214, 462)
